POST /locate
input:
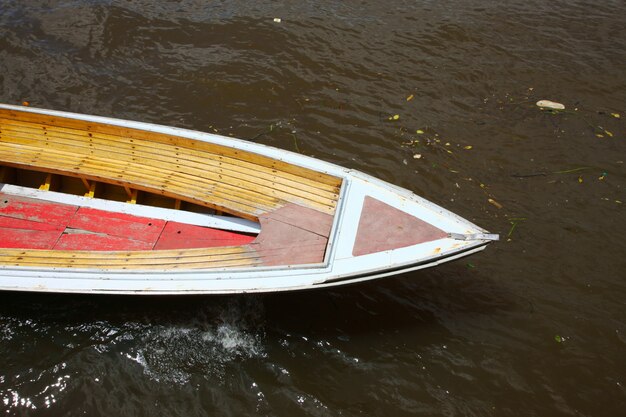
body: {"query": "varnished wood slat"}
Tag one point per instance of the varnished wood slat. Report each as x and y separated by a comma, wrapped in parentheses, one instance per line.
(122, 152)
(120, 175)
(170, 139)
(119, 170)
(203, 158)
(138, 254)
(113, 260)
(177, 265)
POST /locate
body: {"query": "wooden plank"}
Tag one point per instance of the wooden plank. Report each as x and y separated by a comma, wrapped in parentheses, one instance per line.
(119, 225)
(96, 242)
(158, 266)
(36, 239)
(115, 170)
(112, 259)
(8, 222)
(134, 255)
(94, 127)
(181, 155)
(116, 260)
(178, 235)
(216, 199)
(36, 211)
(127, 152)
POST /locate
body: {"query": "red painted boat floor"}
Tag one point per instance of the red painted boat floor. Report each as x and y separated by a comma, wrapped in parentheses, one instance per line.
(33, 224)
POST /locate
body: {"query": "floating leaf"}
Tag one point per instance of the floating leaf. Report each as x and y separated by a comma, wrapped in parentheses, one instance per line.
(25, 103)
(553, 105)
(468, 147)
(419, 131)
(417, 156)
(277, 20)
(558, 339)
(580, 179)
(616, 115)
(396, 116)
(600, 135)
(409, 98)
(609, 134)
(494, 203)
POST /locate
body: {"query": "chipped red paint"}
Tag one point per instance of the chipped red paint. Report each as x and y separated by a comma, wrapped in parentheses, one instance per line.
(382, 227)
(180, 236)
(293, 235)
(118, 225)
(99, 242)
(32, 224)
(35, 211)
(28, 239)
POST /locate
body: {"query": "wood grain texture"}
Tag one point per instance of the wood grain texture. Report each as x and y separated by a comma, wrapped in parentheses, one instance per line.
(223, 178)
(295, 205)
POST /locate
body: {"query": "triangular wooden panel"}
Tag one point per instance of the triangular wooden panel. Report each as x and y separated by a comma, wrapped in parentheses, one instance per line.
(382, 227)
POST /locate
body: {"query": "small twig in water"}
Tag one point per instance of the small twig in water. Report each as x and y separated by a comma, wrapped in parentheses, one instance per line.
(295, 142)
(514, 223)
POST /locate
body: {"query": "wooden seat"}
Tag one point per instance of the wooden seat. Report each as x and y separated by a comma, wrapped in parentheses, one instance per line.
(227, 179)
(241, 183)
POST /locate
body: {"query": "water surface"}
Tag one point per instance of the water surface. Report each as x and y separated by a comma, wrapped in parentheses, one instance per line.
(533, 326)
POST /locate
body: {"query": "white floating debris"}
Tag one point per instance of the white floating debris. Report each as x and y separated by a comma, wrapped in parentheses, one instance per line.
(547, 104)
(417, 156)
(277, 19)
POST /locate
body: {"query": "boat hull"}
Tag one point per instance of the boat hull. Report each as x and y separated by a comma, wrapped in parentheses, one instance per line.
(319, 225)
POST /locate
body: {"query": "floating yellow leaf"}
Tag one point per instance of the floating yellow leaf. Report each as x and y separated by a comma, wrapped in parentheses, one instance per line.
(600, 135)
(396, 116)
(494, 203)
(616, 115)
(609, 134)
(580, 179)
(419, 131)
(468, 147)
(25, 103)
(409, 98)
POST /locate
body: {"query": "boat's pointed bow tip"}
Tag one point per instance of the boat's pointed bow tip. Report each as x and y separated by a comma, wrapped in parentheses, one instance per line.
(489, 237)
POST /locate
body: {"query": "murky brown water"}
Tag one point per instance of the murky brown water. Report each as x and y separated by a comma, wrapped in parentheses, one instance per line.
(534, 326)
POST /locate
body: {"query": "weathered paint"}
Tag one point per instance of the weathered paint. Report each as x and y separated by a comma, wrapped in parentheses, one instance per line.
(293, 235)
(31, 224)
(382, 227)
(118, 225)
(179, 235)
(339, 266)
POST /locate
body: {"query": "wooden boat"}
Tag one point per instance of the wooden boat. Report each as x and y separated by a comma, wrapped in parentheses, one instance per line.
(98, 205)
